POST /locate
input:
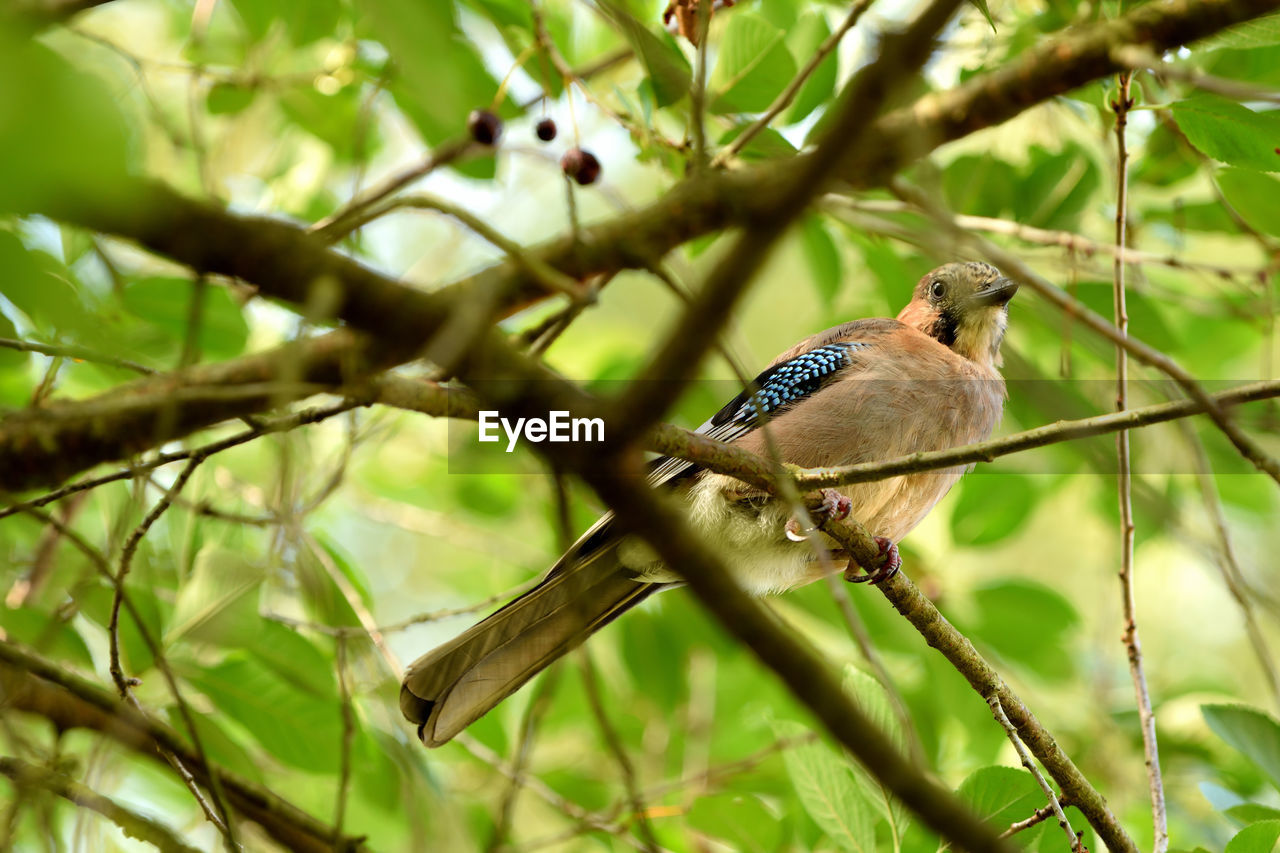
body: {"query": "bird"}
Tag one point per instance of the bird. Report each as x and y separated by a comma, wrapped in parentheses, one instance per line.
(862, 391)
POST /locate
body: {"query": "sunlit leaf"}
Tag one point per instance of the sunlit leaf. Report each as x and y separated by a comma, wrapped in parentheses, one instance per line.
(1231, 133)
(753, 68)
(809, 32)
(218, 603)
(991, 507)
(1255, 734)
(1253, 196)
(1001, 795)
(62, 137)
(669, 71)
(294, 726)
(828, 792)
(823, 258)
(1258, 838)
(166, 303)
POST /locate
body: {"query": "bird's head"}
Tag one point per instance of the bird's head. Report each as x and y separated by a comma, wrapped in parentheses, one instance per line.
(964, 306)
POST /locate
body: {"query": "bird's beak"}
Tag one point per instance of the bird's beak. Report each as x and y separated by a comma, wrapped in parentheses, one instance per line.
(999, 292)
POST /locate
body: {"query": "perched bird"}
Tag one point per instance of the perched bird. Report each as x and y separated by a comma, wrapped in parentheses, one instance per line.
(860, 392)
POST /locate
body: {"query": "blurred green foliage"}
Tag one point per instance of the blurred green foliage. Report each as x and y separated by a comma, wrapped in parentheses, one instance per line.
(286, 548)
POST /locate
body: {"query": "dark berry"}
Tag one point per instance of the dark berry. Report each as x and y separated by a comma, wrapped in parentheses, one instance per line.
(546, 130)
(580, 165)
(485, 127)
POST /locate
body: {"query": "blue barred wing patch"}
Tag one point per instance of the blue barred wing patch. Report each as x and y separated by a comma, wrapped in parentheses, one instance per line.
(785, 383)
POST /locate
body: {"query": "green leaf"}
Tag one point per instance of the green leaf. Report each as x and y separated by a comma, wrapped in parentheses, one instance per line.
(827, 791)
(47, 635)
(823, 258)
(165, 302)
(746, 822)
(753, 68)
(1001, 795)
(95, 601)
(1253, 196)
(62, 138)
(41, 287)
(991, 507)
(219, 601)
(219, 745)
(979, 185)
(1260, 32)
(427, 48)
(669, 71)
(1027, 622)
(1255, 734)
(11, 359)
(1258, 838)
(333, 118)
(1226, 131)
(228, 98)
(1247, 813)
(804, 40)
(293, 726)
(304, 20)
(874, 701)
(295, 659)
(505, 13)
(767, 144)
(1057, 188)
(981, 6)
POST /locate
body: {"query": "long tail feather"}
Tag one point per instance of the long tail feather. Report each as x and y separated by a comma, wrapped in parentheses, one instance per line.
(452, 686)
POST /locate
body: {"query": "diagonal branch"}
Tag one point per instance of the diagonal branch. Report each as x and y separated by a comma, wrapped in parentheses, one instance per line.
(32, 684)
(131, 823)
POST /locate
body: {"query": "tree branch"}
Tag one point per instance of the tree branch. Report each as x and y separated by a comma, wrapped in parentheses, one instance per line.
(131, 823)
(32, 684)
(795, 663)
(907, 599)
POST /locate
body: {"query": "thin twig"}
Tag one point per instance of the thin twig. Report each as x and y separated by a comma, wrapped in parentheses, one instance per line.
(698, 89)
(78, 353)
(788, 94)
(1228, 565)
(617, 750)
(552, 279)
(519, 775)
(1068, 240)
(1137, 57)
(306, 416)
(216, 812)
(69, 701)
(123, 685)
(1133, 646)
(1025, 757)
(367, 623)
(348, 738)
(339, 223)
(195, 319)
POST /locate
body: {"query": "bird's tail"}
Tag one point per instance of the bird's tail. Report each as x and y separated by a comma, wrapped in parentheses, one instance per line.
(452, 686)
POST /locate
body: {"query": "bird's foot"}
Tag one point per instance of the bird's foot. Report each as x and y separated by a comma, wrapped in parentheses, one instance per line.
(834, 506)
(891, 562)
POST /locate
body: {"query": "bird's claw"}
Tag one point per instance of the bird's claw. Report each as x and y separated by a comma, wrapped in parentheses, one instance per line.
(891, 563)
(834, 506)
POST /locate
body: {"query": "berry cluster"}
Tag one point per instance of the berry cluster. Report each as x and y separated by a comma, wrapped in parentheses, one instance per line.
(485, 127)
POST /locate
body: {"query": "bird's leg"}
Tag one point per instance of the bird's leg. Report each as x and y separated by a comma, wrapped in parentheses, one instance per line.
(891, 562)
(832, 506)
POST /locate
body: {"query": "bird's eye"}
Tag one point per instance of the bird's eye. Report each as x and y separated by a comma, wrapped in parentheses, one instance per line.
(936, 290)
